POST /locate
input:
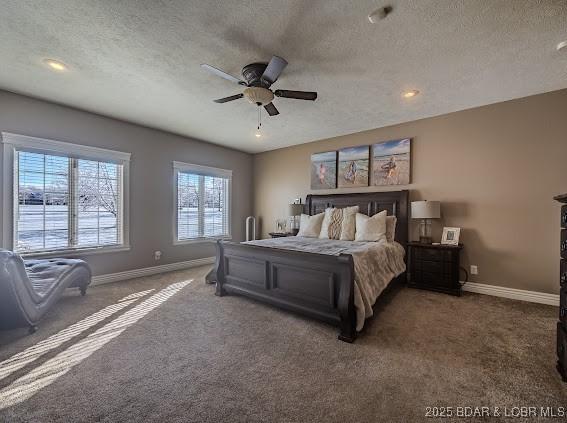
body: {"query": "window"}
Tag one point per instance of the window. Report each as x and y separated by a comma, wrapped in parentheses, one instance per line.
(202, 202)
(64, 196)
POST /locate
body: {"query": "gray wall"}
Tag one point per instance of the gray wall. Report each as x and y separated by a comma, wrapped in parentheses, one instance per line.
(151, 175)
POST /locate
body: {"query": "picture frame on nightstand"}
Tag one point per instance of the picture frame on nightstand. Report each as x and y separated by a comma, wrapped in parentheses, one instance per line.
(450, 236)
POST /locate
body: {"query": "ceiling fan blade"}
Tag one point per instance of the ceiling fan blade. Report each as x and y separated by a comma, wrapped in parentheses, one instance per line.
(271, 109)
(274, 69)
(227, 99)
(222, 74)
(300, 95)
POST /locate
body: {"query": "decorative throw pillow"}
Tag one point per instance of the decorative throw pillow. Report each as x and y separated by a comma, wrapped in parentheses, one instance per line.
(371, 228)
(348, 226)
(391, 228)
(310, 226)
(326, 222)
(331, 227)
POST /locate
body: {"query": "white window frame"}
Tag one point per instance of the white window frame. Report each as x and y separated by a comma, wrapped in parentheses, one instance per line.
(181, 167)
(16, 142)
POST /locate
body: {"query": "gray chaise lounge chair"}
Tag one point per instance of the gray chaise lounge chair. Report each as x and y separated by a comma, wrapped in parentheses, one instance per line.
(28, 289)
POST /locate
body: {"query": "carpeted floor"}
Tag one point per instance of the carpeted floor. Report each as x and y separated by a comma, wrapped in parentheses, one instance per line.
(198, 357)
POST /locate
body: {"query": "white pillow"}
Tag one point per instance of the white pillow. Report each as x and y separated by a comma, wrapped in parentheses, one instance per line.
(348, 227)
(371, 228)
(332, 222)
(324, 234)
(310, 226)
(391, 228)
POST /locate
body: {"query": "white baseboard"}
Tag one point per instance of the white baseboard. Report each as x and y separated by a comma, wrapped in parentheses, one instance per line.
(514, 294)
(148, 271)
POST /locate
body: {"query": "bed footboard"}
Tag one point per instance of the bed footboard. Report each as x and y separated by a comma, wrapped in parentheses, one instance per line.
(316, 285)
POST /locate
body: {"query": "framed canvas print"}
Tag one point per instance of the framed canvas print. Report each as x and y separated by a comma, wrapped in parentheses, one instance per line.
(353, 167)
(451, 236)
(391, 162)
(324, 170)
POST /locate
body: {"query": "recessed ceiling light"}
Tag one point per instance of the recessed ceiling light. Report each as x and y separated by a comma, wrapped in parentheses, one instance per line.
(258, 135)
(562, 46)
(56, 65)
(410, 94)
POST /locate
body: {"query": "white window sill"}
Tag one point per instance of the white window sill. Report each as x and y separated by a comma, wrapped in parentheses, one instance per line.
(200, 240)
(76, 252)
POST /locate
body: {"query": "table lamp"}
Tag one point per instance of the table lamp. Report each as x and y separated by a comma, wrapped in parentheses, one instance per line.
(294, 211)
(425, 210)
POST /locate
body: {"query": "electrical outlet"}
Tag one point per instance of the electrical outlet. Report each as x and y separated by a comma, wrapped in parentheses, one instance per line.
(474, 269)
(157, 255)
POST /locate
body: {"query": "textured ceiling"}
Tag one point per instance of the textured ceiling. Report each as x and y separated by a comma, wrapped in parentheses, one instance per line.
(138, 60)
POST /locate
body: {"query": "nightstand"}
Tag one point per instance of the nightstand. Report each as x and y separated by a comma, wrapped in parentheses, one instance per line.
(280, 234)
(434, 267)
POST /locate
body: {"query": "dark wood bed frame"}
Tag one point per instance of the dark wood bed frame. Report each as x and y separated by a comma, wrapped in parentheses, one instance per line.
(316, 285)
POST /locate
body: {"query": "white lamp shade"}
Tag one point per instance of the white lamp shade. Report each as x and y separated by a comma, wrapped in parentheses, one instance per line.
(425, 209)
(295, 209)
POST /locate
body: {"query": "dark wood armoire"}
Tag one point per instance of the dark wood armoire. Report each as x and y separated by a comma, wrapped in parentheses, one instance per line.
(562, 323)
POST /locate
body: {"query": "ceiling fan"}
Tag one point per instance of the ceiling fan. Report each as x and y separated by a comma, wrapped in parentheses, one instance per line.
(258, 78)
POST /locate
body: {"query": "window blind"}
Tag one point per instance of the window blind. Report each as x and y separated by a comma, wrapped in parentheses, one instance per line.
(98, 203)
(66, 203)
(203, 203)
(42, 216)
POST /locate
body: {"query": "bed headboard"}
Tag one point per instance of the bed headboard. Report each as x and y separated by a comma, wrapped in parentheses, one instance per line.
(369, 203)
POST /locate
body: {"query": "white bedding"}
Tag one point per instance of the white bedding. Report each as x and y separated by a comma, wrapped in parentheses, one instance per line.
(375, 264)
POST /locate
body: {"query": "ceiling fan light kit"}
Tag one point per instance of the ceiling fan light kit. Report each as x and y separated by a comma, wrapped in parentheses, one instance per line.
(258, 95)
(258, 78)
